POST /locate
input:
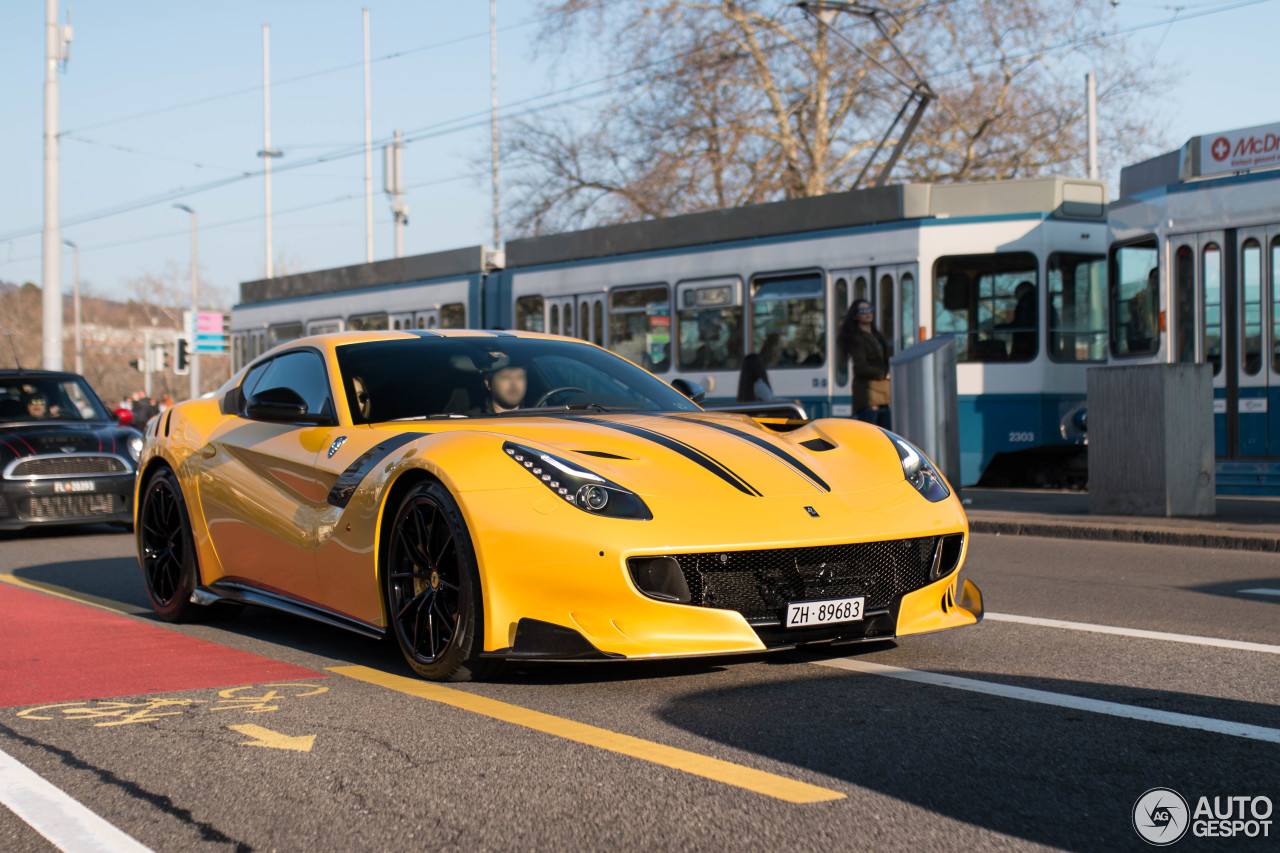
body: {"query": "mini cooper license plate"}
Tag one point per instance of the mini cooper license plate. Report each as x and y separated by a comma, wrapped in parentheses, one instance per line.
(74, 486)
(804, 613)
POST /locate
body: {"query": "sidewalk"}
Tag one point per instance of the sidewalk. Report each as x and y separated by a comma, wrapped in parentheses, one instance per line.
(1246, 524)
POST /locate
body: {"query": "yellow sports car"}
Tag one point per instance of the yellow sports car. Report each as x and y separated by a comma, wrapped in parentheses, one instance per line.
(493, 496)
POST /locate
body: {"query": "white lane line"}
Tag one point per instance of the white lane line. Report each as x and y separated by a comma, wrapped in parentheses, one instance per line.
(1061, 700)
(68, 825)
(1239, 645)
(1261, 591)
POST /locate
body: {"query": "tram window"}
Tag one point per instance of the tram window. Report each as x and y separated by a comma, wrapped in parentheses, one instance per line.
(910, 304)
(598, 309)
(1251, 306)
(1077, 307)
(886, 305)
(841, 303)
(709, 326)
(282, 332)
(860, 289)
(1275, 305)
(788, 320)
(367, 323)
(529, 314)
(555, 319)
(1184, 292)
(990, 303)
(453, 316)
(1211, 305)
(1134, 289)
(640, 326)
(323, 327)
(237, 352)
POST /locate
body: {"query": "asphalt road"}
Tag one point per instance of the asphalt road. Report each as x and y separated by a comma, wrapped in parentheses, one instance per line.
(1013, 734)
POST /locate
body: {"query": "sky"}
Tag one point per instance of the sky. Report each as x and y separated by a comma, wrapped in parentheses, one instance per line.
(125, 145)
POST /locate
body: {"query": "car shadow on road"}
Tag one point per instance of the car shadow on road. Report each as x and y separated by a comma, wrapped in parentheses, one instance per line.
(1236, 589)
(1051, 775)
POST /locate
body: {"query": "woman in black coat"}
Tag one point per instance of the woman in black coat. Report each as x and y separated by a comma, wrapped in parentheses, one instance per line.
(863, 344)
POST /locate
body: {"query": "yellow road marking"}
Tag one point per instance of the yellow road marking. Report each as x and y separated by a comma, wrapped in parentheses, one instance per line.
(769, 784)
(274, 740)
(71, 594)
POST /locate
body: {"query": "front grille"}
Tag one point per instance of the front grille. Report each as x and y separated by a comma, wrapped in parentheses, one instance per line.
(760, 584)
(68, 466)
(45, 507)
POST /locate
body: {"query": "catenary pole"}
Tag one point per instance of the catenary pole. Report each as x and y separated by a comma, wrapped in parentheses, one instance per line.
(368, 151)
(51, 259)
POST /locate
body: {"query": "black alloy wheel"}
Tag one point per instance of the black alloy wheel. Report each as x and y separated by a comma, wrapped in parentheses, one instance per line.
(166, 548)
(433, 588)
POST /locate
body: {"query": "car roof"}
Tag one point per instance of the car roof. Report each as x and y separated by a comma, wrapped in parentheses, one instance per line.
(9, 372)
(333, 340)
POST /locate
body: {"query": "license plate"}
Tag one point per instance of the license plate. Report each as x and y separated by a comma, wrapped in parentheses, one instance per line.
(73, 486)
(803, 613)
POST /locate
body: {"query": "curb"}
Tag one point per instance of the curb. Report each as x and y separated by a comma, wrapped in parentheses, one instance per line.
(1232, 541)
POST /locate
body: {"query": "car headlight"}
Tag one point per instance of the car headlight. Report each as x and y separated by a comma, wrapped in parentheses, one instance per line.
(586, 490)
(918, 470)
(135, 447)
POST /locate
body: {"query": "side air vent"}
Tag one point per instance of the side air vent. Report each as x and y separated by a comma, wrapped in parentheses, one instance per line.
(948, 556)
(818, 444)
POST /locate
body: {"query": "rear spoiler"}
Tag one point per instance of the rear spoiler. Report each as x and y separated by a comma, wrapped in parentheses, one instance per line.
(789, 409)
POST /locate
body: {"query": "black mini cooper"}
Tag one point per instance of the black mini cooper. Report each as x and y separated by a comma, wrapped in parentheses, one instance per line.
(63, 458)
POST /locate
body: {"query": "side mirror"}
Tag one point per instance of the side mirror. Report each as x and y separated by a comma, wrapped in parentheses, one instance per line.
(692, 390)
(278, 404)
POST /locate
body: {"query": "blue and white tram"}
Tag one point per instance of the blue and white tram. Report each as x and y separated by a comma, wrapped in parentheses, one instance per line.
(1194, 276)
(689, 296)
(1013, 269)
(440, 290)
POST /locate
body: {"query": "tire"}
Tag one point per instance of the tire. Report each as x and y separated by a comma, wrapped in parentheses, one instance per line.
(431, 587)
(166, 548)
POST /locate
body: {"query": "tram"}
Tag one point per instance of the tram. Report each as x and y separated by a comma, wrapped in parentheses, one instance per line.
(1194, 256)
(1015, 270)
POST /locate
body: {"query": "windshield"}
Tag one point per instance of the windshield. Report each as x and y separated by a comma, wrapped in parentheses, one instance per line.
(48, 398)
(487, 377)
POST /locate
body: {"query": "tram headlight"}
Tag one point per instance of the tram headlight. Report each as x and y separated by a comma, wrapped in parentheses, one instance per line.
(918, 470)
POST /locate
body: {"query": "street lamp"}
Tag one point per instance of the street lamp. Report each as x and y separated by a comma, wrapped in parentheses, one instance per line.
(195, 308)
(75, 253)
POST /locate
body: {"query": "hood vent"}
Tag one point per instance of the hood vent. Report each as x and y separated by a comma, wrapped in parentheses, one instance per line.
(600, 454)
(818, 444)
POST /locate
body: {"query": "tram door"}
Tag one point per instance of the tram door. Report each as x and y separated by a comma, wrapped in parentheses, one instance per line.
(847, 287)
(1224, 306)
(401, 321)
(561, 313)
(897, 304)
(427, 319)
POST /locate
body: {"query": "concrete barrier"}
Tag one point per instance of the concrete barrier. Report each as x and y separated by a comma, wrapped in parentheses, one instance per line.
(1151, 440)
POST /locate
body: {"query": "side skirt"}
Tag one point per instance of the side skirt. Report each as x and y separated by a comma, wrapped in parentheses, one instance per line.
(244, 594)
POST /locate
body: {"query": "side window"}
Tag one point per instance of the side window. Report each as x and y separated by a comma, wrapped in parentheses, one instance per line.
(283, 332)
(250, 383)
(453, 316)
(323, 327)
(1133, 283)
(302, 372)
(709, 325)
(1211, 302)
(788, 320)
(529, 316)
(990, 303)
(640, 326)
(1077, 307)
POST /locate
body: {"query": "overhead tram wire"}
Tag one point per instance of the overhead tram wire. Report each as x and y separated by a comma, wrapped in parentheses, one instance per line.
(443, 128)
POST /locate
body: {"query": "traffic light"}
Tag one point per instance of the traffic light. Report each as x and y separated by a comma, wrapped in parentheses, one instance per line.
(182, 355)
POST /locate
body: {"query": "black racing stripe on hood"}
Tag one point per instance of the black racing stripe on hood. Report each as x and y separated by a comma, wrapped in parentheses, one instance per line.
(689, 452)
(800, 468)
(345, 486)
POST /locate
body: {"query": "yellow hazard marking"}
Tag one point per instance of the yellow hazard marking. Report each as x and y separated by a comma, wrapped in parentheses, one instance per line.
(769, 784)
(274, 740)
(71, 594)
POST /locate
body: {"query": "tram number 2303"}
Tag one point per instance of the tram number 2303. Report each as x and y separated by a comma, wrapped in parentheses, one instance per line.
(1025, 437)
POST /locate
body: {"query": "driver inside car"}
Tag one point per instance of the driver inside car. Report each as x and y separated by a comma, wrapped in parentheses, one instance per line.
(506, 386)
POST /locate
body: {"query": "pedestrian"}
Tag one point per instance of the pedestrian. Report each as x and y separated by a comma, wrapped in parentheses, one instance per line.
(165, 402)
(143, 409)
(861, 342)
(753, 381)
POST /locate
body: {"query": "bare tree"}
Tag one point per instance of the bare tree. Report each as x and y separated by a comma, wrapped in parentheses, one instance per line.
(720, 103)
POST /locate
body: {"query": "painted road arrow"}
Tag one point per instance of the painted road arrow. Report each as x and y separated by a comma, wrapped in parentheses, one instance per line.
(274, 740)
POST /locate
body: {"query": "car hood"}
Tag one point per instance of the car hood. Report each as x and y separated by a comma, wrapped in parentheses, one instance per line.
(720, 454)
(43, 439)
